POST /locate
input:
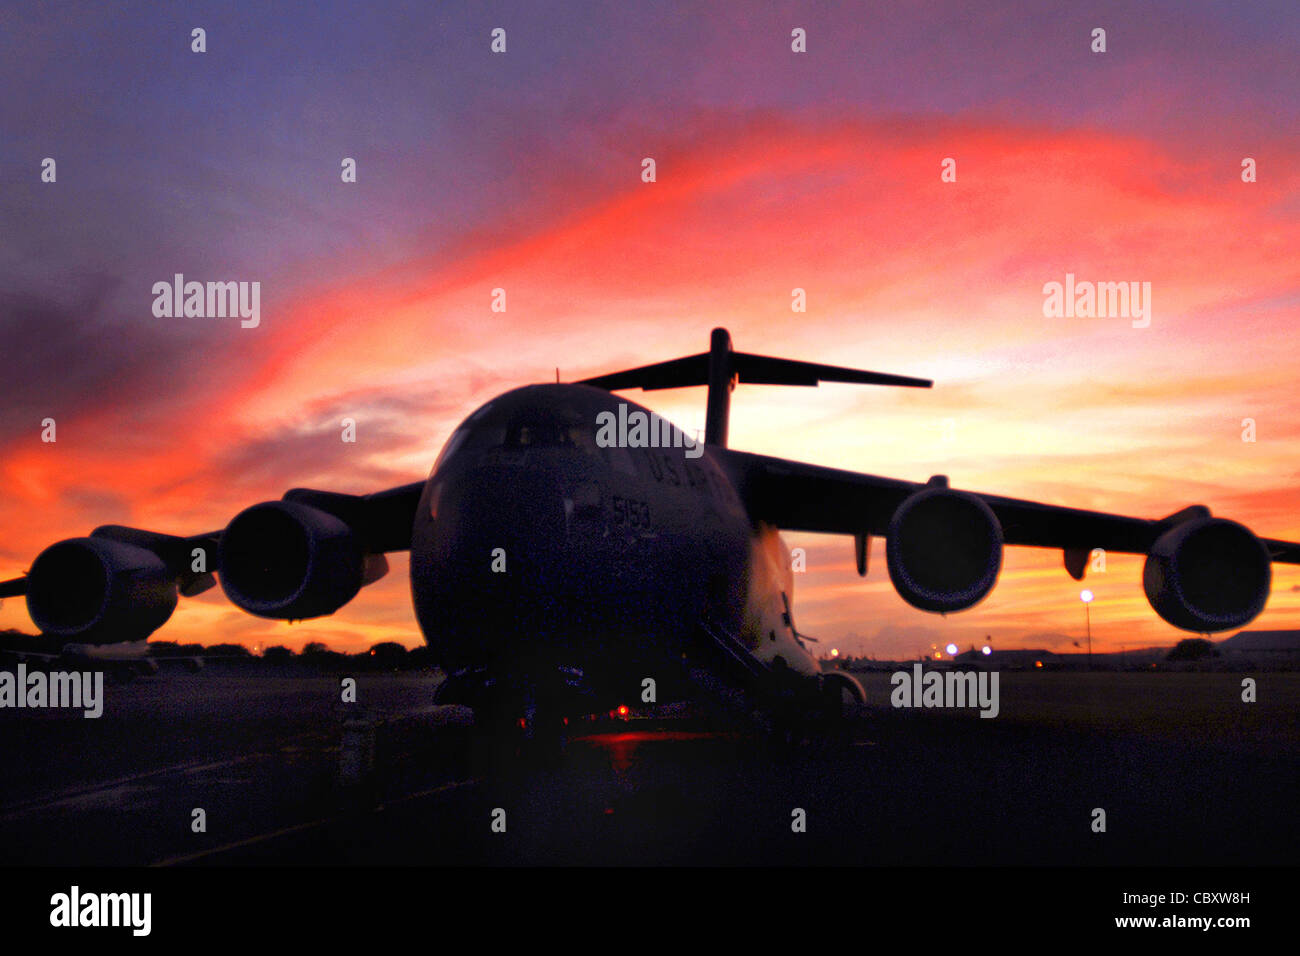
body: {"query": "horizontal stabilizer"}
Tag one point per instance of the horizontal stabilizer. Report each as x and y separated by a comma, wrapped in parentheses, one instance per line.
(14, 588)
(720, 368)
(749, 369)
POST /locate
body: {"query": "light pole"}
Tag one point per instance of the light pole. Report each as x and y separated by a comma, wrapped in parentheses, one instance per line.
(1086, 597)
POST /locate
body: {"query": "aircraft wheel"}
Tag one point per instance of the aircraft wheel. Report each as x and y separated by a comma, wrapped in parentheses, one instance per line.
(511, 732)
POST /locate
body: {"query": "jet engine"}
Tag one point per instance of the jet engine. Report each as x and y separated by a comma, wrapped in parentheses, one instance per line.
(289, 561)
(1207, 574)
(944, 549)
(100, 591)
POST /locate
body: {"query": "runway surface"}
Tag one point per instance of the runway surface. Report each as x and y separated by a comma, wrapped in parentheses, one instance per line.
(1185, 772)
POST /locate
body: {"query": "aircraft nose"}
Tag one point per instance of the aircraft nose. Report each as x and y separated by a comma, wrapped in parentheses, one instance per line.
(513, 565)
(500, 566)
(499, 520)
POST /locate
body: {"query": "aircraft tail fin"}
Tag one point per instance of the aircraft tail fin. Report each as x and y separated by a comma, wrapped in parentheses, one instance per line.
(720, 369)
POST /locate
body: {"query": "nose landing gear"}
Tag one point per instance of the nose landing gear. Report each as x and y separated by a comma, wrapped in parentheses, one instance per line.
(516, 723)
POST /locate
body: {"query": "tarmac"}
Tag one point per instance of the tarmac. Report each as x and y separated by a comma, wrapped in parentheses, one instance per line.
(278, 772)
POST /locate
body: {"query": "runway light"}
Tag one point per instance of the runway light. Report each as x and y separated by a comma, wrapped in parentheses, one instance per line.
(1038, 663)
(1086, 596)
(986, 650)
(622, 710)
(835, 652)
(951, 649)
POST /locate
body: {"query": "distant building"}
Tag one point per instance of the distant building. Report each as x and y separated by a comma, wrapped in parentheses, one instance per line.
(1008, 660)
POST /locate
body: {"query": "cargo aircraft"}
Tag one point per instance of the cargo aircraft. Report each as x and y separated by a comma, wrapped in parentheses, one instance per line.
(553, 574)
(123, 660)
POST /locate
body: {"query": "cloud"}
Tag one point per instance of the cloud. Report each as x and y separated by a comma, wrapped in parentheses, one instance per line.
(51, 372)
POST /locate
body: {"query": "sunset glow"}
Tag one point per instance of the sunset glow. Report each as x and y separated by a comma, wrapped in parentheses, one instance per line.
(770, 177)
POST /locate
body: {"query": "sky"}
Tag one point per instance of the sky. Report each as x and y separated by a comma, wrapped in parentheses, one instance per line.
(774, 171)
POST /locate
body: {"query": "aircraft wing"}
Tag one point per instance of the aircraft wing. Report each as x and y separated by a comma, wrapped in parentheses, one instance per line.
(303, 556)
(382, 520)
(795, 496)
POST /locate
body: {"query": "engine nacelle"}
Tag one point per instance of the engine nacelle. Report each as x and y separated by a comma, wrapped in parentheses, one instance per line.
(289, 561)
(1208, 574)
(944, 549)
(99, 591)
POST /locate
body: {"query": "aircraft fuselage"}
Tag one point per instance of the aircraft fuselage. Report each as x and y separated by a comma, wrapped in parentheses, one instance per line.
(534, 548)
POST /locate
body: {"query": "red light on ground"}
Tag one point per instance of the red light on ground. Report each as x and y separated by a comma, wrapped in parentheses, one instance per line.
(1038, 663)
(622, 710)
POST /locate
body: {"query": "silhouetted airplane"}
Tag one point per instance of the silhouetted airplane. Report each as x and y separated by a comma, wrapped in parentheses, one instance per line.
(553, 573)
(124, 659)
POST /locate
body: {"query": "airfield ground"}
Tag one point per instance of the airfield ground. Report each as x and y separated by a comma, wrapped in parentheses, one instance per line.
(1186, 773)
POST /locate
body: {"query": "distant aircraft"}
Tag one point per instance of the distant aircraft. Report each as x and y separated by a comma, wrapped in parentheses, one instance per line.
(553, 575)
(124, 659)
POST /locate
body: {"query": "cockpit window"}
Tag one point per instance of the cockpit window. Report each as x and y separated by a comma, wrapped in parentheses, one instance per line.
(535, 434)
(512, 431)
